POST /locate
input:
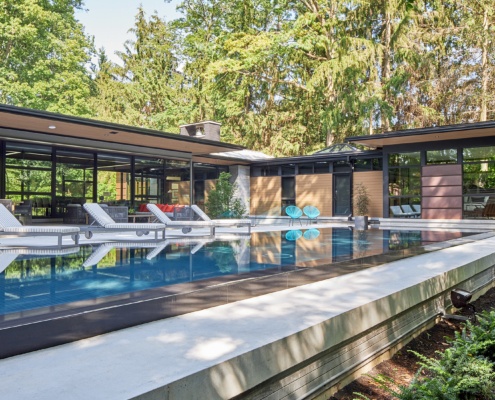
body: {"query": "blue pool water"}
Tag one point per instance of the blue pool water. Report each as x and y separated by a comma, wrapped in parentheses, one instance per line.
(29, 280)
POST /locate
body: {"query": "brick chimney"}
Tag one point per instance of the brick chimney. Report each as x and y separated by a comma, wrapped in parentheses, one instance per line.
(209, 130)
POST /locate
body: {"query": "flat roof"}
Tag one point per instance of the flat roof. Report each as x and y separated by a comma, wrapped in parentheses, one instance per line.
(430, 134)
(53, 124)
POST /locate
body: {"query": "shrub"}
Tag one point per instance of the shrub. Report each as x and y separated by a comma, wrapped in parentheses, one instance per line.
(466, 370)
(221, 202)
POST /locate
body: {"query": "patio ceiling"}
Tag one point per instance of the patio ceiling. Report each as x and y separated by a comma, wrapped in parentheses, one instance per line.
(424, 135)
(99, 132)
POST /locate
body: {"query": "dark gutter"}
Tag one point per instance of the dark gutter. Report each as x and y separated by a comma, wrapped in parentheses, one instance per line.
(27, 112)
(424, 131)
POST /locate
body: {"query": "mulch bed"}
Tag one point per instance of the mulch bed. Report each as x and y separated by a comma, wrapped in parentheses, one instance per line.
(403, 366)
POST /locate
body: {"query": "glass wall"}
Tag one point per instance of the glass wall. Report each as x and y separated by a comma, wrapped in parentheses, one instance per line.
(114, 177)
(47, 179)
(404, 178)
(478, 182)
(75, 176)
(28, 176)
(149, 181)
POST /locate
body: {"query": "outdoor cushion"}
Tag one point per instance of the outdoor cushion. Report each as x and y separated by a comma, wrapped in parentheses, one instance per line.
(143, 208)
(7, 219)
(98, 214)
(169, 208)
(41, 229)
(136, 226)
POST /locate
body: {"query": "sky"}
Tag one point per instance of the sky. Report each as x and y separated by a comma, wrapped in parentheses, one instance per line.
(109, 20)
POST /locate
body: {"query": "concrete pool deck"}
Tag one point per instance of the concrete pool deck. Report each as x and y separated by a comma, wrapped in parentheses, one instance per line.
(223, 351)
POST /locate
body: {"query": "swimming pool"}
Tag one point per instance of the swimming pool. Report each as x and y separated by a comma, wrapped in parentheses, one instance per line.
(54, 296)
(35, 281)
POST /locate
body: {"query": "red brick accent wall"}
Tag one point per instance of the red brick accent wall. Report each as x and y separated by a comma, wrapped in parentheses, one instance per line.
(441, 189)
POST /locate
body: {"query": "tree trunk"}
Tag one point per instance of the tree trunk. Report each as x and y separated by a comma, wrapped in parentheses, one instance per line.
(387, 32)
(484, 68)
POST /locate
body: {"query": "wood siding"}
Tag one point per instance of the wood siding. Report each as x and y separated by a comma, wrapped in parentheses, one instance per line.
(441, 189)
(315, 190)
(266, 195)
(184, 192)
(373, 181)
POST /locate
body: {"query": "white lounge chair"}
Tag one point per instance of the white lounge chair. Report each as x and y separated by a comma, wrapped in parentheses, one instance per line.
(200, 242)
(222, 222)
(8, 256)
(106, 223)
(186, 226)
(103, 249)
(10, 225)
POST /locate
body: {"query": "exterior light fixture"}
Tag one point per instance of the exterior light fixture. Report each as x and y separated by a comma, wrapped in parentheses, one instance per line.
(460, 299)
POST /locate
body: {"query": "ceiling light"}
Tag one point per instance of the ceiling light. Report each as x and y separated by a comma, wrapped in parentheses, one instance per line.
(51, 126)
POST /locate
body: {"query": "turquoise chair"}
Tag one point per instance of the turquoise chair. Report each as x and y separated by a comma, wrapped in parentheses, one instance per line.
(311, 212)
(294, 213)
(293, 234)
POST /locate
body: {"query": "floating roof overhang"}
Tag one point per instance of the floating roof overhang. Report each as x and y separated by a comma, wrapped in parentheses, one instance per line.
(424, 135)
(345, 155)
(33, 125)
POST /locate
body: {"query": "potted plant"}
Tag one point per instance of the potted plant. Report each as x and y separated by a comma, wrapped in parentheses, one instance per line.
(361, 205)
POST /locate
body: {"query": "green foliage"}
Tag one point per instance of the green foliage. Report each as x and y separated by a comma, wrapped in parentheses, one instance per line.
(466, 370)
(221, 202)
(43, 56)
(361, 200)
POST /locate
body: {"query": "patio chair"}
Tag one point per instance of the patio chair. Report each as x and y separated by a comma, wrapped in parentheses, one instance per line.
(293, 235)
(186, 226)
(222, 222)
(311, 234)
(106, 223)
(294, 213)
(398, 213)
(199, 243)
(103, 249)
(10, 225)
(311, 212)
(8, 256)
(408, 210)
(417, 208)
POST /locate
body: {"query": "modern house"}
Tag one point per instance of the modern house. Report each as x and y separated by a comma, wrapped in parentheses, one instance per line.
(53, 161)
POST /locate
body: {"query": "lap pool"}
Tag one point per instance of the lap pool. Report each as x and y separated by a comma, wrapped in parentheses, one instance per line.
(106, 286)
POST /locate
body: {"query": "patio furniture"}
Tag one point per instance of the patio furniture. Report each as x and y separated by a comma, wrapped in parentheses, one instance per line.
(10, 225)
(200, 242)
(398, 213)
(417, 208)
(186, 226)
(103, 221)
(24, 212)
(103, 249)
(75, 214)
(408, 210)
(222, 222)
(293, 234)
(294, 213)
(118, 213)
(311, 234)
(311, 212)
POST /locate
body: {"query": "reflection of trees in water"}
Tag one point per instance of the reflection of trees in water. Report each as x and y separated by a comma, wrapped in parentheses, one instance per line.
(403, 239)
(31, 268)
(362, 243)
(224, 255)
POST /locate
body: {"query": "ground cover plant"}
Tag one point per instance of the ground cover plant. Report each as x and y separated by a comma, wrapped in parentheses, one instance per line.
(452, 360)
